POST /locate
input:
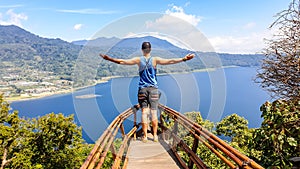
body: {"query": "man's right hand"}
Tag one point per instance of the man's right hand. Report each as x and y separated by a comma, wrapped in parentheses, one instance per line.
(104, 56)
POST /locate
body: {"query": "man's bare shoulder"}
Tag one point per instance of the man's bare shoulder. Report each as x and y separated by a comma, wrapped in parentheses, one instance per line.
(157, 58)
(137, 59)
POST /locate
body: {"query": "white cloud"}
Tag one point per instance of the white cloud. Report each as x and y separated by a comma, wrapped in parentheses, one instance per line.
(249, 25)
(174, 29)
(175, 41)
(253, 43)
(186, 35)
(178, 11)
(187, 4)
(77, 26)
(86, 11)
(179, 28)
(11, 6)
(12, 18)
(190, 36)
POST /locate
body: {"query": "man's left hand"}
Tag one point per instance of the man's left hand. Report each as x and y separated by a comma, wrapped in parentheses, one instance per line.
(189, 56)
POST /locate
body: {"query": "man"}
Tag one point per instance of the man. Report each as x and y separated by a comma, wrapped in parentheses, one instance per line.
(148, 94)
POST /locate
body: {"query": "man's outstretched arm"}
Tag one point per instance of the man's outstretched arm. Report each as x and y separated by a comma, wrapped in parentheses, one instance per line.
(162, 61)
(132, 61)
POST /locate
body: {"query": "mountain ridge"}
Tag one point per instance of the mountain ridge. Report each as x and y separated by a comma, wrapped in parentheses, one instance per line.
(48, 64)
(59, 56)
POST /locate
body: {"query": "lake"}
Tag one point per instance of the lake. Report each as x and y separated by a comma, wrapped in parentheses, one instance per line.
(215, 94)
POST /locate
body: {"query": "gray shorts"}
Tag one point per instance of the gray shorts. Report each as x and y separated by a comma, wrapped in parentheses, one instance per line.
(148, 97)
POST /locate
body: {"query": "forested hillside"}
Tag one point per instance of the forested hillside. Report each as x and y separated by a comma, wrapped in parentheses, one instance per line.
(21, 49)
(31, 64)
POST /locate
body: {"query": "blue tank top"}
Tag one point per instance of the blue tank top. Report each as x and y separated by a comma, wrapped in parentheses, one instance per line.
(147, 73)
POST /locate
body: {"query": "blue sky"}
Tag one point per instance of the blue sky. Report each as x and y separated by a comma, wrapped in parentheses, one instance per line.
(231, 26)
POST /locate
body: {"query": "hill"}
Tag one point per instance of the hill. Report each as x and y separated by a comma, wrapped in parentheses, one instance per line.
(22, 49)
(32, 64)
(165, 49)
(99, 42)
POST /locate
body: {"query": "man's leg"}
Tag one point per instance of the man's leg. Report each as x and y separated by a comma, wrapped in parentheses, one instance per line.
(145, 122)
(154, 123)
(154, 97)
(143, 101)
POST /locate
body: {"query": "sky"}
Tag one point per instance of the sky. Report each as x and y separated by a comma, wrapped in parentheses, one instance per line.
(230, 26)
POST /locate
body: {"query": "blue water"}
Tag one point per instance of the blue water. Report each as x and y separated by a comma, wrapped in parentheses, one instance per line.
(215, 94)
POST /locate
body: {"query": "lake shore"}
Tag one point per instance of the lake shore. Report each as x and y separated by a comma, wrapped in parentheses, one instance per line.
(25, 97)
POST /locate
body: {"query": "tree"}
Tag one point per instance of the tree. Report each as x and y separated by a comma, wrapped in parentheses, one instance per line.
(56, 142)
(278, 138)
(50, 141)
(197, 118)
(13, 136)
(280, 71)
(232, 126)
(236, 127)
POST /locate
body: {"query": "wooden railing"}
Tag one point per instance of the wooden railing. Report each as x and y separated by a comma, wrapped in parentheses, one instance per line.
(99, 153)
(230, 156)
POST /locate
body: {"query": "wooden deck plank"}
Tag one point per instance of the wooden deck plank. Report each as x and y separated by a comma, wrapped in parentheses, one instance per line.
(149, 155)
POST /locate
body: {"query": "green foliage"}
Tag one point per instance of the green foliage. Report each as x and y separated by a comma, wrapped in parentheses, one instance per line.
(210, 158)
(197, 118)
(109, 160)
(13, 135)
(236, 128)
(54, 55)
(51, 141)
(232, 126)
(204, 153)
(55, 141)
(279, 135)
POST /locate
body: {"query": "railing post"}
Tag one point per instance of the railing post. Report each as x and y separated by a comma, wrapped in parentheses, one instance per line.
(162, 128)
(134, 123)
(113, 151)
(194, 149)
(175, 130)
(135, 109)
(122, 130)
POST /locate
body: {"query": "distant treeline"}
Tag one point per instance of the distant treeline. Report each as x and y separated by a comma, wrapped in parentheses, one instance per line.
(21, 50)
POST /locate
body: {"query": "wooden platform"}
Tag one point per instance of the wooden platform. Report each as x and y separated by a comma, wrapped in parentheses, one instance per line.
(149, 155)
